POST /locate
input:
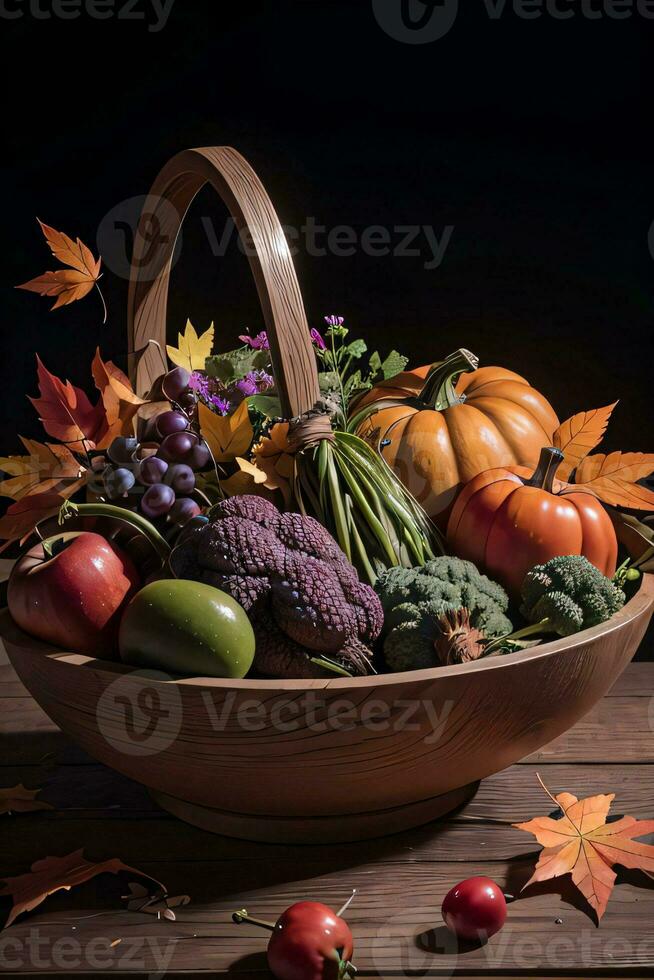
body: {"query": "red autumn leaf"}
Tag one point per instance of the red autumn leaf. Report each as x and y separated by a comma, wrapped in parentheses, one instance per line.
(614, 478)
(52, 874)
(23, 516)
(579, 435)
(71, 284)
(67, 414)
(583, 844)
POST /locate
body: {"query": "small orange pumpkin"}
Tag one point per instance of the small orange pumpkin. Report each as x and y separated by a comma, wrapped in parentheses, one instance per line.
(506, 521)
(438, 427)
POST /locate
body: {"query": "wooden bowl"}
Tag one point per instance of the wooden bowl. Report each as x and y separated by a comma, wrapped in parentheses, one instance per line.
(326, 760)
(305, 761)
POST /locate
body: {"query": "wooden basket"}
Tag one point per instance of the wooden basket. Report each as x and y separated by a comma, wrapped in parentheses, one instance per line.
(293, 358)
(306, 760)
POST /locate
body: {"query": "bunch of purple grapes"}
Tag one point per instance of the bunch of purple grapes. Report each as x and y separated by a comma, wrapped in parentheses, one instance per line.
(165, 480)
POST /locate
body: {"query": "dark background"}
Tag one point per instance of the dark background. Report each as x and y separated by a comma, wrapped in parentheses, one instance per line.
(531, 137)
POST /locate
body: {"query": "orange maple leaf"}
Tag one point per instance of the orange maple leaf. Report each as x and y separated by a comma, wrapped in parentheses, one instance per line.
(71, 284)
(120, 402)
(583, 844)
(52, 874)
(579, 435)
(614, 478)
(274, 456)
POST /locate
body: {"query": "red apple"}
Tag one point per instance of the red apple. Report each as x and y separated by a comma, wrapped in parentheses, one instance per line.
(475, 909)
(70, 591)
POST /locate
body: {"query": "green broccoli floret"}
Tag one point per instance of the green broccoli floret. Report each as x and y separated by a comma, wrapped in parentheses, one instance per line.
(415, 599)
(568, 594)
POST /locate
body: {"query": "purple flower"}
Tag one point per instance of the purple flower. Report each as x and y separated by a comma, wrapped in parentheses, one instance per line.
(334, 321)
(260, 342)
(317, 339)
(264, 380)
(220, 405)
(253, 383)
(247, 385)
(200, 383)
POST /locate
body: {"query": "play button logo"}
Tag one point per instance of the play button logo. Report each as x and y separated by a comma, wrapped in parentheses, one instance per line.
(416, 21)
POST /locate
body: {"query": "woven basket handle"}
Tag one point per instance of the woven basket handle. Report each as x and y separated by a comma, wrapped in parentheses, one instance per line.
(172, 193)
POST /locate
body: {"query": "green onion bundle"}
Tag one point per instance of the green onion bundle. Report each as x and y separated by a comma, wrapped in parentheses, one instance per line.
(351, 490)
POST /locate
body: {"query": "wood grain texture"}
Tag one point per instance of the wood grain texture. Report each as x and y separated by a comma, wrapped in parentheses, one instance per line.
(319, 748)
(402, 879)
(239, 187)
(94, 805)
(395, 919)
(93, 791)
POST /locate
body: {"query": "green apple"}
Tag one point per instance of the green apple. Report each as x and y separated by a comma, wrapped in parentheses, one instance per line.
(187, 628)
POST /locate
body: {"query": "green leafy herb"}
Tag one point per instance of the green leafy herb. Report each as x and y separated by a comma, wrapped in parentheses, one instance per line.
(235, 364)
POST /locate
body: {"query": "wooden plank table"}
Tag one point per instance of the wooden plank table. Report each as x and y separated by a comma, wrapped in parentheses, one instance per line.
(401, 880)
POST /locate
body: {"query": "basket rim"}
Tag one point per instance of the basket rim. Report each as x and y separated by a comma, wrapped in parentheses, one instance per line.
(640, 605)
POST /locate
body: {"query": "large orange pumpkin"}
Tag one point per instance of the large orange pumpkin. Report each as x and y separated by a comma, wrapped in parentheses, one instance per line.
(438, 427)
(507, 520)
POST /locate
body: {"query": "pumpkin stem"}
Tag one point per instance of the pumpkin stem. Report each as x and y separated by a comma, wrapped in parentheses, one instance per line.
(438, 391)
(549, 462)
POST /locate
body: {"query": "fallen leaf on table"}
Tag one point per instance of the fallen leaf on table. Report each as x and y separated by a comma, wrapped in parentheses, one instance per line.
(193, 351)
(66, 412)
(140, 900)
(71, 284)
(614, 479)
(227, 436)
(52, 874)
(47, 467)
(578, 436)
(583, 844)
(18, 799)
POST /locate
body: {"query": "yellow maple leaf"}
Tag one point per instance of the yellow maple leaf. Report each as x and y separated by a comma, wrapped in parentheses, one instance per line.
(227, 436)
(47, 467)
(192, 351)
(248, 479)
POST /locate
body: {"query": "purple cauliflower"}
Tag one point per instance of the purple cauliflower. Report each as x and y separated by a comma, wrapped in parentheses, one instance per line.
(306, 603)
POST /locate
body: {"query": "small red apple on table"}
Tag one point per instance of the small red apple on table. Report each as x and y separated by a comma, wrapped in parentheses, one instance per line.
(309, 942)
(70, 591)
(475, 909)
